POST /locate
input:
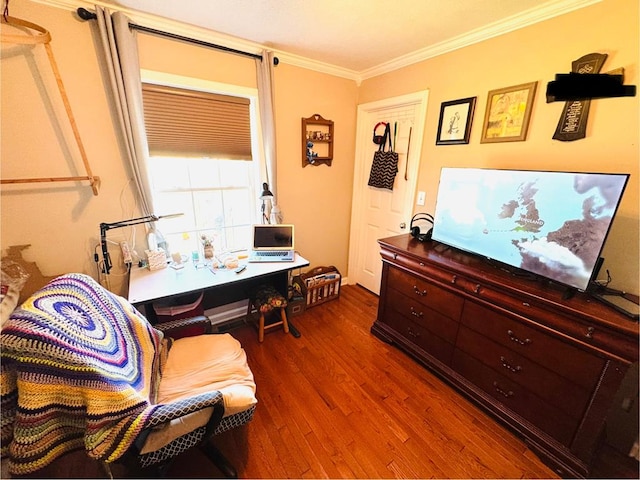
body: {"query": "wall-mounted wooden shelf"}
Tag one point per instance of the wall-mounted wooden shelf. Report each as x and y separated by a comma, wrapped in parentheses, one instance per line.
(318, 131)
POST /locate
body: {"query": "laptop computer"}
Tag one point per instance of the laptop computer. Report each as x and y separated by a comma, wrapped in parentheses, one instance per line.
(272, 243)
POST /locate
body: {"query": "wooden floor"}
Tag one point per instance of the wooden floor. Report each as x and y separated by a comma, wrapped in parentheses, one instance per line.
(339, 403)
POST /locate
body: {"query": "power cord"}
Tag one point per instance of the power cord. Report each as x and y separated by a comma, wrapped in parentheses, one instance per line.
(100, 264)
(603, 284)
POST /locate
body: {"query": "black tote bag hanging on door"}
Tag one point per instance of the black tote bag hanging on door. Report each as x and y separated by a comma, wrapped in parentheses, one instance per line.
(385, 164)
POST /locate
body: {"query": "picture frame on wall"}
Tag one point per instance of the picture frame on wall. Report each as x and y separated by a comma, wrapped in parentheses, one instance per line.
(508, 112)
(454, 126)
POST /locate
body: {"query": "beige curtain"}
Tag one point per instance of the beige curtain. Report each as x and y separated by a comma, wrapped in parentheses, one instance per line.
(264, 70)
(120, 48)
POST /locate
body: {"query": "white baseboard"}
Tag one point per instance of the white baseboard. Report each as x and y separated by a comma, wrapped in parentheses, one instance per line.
(226, 313)
(232, 311)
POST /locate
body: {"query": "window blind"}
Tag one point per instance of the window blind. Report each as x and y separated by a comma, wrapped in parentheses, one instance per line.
(190, 123)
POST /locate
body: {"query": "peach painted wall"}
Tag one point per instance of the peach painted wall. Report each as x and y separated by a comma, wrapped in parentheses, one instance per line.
(59, 220)
(537, 53)
(317, 199)
(62, 222)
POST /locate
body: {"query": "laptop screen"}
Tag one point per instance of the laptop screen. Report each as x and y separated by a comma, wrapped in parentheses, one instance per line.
(273, 237)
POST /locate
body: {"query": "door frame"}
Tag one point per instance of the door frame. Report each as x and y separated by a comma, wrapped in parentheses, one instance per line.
(363, 137)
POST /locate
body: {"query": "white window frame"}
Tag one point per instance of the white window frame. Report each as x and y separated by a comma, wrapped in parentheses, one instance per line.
(257, 144)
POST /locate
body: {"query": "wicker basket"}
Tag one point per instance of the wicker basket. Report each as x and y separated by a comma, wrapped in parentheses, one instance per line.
(320, 285)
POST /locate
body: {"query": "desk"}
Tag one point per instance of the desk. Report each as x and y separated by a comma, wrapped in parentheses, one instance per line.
(220, 286)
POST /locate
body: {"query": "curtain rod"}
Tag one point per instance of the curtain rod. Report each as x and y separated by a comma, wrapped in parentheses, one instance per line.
(85, 14)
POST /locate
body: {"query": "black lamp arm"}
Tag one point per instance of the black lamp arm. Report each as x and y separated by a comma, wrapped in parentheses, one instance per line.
(123, 223)
(128, 223)
(105, 252)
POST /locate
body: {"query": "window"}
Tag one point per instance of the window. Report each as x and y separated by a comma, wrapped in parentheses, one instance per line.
(203, 162)
(217, 197)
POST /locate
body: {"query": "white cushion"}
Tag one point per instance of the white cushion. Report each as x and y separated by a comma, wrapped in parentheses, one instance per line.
(201, 364)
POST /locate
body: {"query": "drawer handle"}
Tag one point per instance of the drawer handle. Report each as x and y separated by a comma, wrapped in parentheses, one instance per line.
(411, 333)
(476, 289)
(512, 336)
(421, 264)
(504, 393)
(417, 291)
(454, 279)
(590, 332)
(416, 314)
(510, 367)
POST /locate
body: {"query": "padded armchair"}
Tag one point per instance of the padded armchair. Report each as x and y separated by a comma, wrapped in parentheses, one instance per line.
(83, 369)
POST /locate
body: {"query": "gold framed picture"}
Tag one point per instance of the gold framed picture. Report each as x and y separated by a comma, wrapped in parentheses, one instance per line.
(506, 118)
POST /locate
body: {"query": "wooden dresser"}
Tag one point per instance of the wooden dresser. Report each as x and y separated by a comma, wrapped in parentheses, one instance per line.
(546, 366)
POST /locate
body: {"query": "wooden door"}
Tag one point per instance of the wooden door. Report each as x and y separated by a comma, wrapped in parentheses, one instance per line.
(379, 213)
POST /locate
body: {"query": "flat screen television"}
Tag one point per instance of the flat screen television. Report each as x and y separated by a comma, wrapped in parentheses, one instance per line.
(552, 224)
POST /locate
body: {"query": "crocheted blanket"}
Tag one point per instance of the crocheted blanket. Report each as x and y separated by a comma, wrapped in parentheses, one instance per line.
(78, 367)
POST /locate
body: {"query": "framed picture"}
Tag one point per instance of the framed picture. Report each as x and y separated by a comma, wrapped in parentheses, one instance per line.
(508, 112)
(454, 126)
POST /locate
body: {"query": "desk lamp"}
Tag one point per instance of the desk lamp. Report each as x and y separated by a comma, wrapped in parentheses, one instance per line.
(264, 196)
(124, 223)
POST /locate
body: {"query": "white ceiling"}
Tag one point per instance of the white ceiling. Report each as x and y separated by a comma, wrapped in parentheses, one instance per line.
(356, 35)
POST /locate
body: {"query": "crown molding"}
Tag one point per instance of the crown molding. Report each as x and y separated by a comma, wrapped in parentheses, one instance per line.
(159, 23)
(198, 33)
(546, 11)
(309, 64)
(532, 16)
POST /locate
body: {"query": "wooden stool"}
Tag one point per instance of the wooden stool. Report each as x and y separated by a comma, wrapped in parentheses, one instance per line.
(265, 299)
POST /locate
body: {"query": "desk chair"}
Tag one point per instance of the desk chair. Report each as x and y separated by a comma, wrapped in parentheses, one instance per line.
(266, 299)
(116, 387)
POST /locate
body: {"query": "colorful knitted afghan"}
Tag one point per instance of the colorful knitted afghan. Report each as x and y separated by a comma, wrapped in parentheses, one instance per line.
(79, 366)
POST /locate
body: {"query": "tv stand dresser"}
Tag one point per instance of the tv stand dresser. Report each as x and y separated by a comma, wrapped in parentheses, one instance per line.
(546, 366)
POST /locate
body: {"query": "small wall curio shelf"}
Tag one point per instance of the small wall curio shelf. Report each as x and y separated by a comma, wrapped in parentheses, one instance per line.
(317, 141)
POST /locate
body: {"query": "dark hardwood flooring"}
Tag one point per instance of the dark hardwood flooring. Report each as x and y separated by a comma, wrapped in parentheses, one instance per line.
(339, 403)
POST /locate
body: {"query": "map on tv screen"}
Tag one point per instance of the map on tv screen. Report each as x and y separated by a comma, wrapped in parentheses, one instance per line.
(553, 224)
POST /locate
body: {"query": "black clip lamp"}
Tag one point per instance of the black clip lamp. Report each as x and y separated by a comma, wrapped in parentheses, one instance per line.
(264, 196)
(124, 223)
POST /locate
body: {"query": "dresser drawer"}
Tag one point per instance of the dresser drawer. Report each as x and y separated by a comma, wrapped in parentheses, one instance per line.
(419, 336)
(416, 311)
(568, 361)
(517, 398)
(426, 293)
(547, 366)
(546, 384)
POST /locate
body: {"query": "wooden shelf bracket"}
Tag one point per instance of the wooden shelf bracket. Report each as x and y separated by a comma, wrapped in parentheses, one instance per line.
(44, 37)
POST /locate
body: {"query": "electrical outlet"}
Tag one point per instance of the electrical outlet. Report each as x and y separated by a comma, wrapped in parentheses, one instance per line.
(421, 198)
(126, 253)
